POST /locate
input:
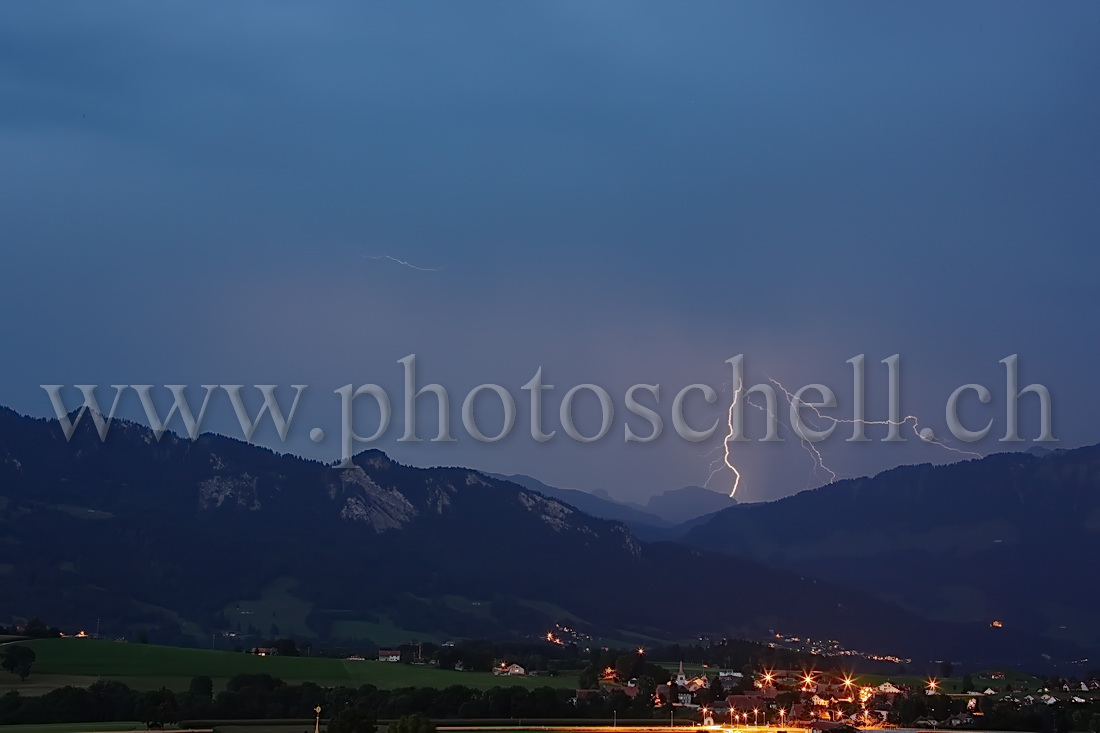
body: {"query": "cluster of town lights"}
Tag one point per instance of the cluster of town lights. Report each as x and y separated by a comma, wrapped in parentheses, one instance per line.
(807, 683)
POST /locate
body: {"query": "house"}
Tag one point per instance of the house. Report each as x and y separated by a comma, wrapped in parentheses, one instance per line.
(389, 655)
(674, 694)
(989, 691)
(265, 651)
(511, 670)
(800, 711)
(697, 683)
(663, 693)
(961, 720)
(356, 658)
(834, 691)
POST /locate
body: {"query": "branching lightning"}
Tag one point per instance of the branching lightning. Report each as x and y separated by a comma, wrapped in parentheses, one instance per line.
(926, 435)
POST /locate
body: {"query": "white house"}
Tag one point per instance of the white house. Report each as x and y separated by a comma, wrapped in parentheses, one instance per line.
(511, 670)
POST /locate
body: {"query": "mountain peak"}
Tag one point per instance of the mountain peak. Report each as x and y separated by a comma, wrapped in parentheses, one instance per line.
(687, 503)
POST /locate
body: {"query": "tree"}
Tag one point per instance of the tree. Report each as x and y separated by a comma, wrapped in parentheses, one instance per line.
(159, 707)
(643, 701)
(18, 659)
(624, 667)
(286, 648)
(946, 668)
(353, 720)
(202, 687)
(415, 723)
(36, 628)
(967, 683)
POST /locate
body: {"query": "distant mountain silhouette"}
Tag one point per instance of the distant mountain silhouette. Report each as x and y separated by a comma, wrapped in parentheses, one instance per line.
(1013, 537)
(681, 505)
(597, 503)
(663, 512)
(187, 538)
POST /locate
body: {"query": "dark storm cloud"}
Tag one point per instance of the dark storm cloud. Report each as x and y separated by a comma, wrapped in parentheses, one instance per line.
(626, 192)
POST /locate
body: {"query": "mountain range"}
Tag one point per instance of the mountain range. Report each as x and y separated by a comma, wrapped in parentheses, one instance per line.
(1012, 538)
(186, 538)
(662, 511)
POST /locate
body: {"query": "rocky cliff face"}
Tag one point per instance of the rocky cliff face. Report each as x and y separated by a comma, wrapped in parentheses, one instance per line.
(144, 533)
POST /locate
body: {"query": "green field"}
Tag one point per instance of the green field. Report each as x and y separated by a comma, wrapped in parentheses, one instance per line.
(73, 727)
(81, 662)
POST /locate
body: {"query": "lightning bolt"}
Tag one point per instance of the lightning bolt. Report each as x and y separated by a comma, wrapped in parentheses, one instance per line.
(400, 262)
(726, 444)
(925, 435)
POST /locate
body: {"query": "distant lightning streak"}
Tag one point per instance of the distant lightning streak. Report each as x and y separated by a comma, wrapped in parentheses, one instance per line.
(401, 262)
(926, 435)
(728, 438)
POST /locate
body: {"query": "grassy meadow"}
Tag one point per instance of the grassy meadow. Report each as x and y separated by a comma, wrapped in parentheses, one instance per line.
(81, 662)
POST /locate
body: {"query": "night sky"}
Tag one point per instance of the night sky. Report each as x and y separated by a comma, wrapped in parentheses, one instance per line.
(618, 193)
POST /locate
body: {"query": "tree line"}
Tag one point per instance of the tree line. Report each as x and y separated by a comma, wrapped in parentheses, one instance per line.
(265, 697)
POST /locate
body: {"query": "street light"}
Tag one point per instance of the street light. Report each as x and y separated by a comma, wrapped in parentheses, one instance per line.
(782, 715)
(756, 716)
(317, 721)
